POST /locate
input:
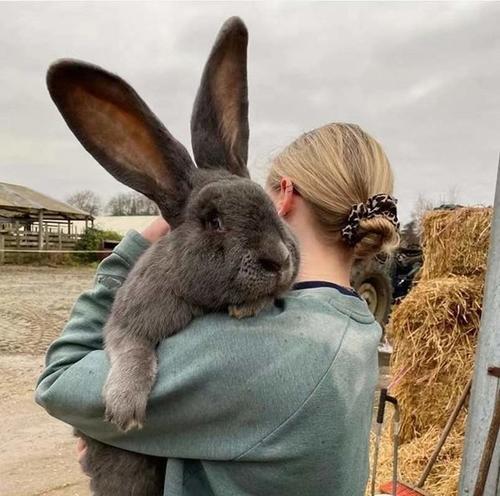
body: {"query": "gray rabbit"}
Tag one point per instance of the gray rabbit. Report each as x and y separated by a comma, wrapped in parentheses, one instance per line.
(228, 249)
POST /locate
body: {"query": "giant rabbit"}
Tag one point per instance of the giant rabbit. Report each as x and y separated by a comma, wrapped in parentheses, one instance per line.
(228, 249)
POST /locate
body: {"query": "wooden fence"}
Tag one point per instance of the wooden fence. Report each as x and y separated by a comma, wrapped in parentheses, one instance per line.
(26, 241)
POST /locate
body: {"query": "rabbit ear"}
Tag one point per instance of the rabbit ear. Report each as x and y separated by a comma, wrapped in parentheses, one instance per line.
(219, 124)
(115, 125)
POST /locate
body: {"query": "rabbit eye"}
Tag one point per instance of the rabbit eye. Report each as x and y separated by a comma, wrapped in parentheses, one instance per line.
(214, 223)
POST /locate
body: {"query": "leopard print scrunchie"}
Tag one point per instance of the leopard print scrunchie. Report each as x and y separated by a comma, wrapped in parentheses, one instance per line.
(381, 204)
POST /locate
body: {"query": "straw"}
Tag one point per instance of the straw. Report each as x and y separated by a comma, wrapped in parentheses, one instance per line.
(455, 242)
(434, 332)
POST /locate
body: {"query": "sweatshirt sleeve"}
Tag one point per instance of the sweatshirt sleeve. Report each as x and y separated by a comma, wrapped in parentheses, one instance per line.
(83, 332)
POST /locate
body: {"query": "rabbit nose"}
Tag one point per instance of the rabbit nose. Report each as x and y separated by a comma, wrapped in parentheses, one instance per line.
(276, 261)
(270, 265)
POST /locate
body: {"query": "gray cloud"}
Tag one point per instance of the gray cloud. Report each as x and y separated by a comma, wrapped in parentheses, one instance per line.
(421, 77)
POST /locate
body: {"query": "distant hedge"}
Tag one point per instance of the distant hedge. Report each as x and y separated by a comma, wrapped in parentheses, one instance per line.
(91, 240)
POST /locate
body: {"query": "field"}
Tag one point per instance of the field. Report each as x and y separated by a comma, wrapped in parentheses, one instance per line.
(37, 452)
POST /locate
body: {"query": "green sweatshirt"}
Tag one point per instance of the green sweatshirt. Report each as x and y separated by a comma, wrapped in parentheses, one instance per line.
(278, 404)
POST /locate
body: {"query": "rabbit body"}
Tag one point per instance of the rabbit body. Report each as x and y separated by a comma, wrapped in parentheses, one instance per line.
(239, 265)
(117, 472)
(228, 249)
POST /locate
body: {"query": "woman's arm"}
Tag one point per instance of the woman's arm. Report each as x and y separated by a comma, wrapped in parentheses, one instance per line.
(83, 332)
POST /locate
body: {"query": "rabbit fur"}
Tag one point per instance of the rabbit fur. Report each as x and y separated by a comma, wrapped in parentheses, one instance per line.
(228, 249)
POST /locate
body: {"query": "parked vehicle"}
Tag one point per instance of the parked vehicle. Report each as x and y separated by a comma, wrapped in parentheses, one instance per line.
(385, 281)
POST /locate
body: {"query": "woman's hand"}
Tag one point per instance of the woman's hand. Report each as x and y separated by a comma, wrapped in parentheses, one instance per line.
(81, 451)
(158, 228)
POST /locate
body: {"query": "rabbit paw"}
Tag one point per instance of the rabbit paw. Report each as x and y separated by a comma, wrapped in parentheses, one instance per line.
(248, 309)
(125, 409)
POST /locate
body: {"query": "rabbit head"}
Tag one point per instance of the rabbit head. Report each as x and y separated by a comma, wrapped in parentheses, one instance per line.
(226, 227)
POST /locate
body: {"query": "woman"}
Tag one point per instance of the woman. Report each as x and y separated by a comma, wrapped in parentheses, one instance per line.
(278, 404)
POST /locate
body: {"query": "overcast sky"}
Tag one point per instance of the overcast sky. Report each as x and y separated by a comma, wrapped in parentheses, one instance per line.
(423, 78)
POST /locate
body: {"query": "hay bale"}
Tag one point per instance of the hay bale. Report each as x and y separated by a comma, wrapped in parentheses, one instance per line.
(455, 242)
(413, 456)
(434, 336)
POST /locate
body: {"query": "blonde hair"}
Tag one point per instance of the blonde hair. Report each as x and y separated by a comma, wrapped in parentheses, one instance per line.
(333, 168)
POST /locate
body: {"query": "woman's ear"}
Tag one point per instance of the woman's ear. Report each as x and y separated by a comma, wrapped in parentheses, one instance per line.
(286, 198)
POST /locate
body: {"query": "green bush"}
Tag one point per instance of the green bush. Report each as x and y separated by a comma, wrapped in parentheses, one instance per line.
(92, 240)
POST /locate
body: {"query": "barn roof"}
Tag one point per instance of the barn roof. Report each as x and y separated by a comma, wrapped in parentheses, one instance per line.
(18, 201)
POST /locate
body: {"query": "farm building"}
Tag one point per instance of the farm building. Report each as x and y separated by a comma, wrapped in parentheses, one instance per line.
(32, 221)
(119, 223)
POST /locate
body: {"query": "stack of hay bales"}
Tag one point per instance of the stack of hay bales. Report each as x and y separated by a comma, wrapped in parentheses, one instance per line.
(434, 334)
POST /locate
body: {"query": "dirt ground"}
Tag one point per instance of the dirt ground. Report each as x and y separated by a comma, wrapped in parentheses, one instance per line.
(37, 452)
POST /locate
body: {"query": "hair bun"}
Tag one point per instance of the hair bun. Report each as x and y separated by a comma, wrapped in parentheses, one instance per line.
(383, 205)
(374, 235)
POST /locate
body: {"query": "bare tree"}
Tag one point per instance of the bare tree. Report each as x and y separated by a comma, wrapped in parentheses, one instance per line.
(117, 205)
(131, 204)
(421, 206)
(85, 200)
(452, 198)
(144, 206)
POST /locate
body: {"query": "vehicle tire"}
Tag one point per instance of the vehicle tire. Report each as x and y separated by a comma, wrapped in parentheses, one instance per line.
(374, 285)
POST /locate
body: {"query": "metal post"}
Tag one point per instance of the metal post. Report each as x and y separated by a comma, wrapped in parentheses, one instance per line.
(485, 386)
